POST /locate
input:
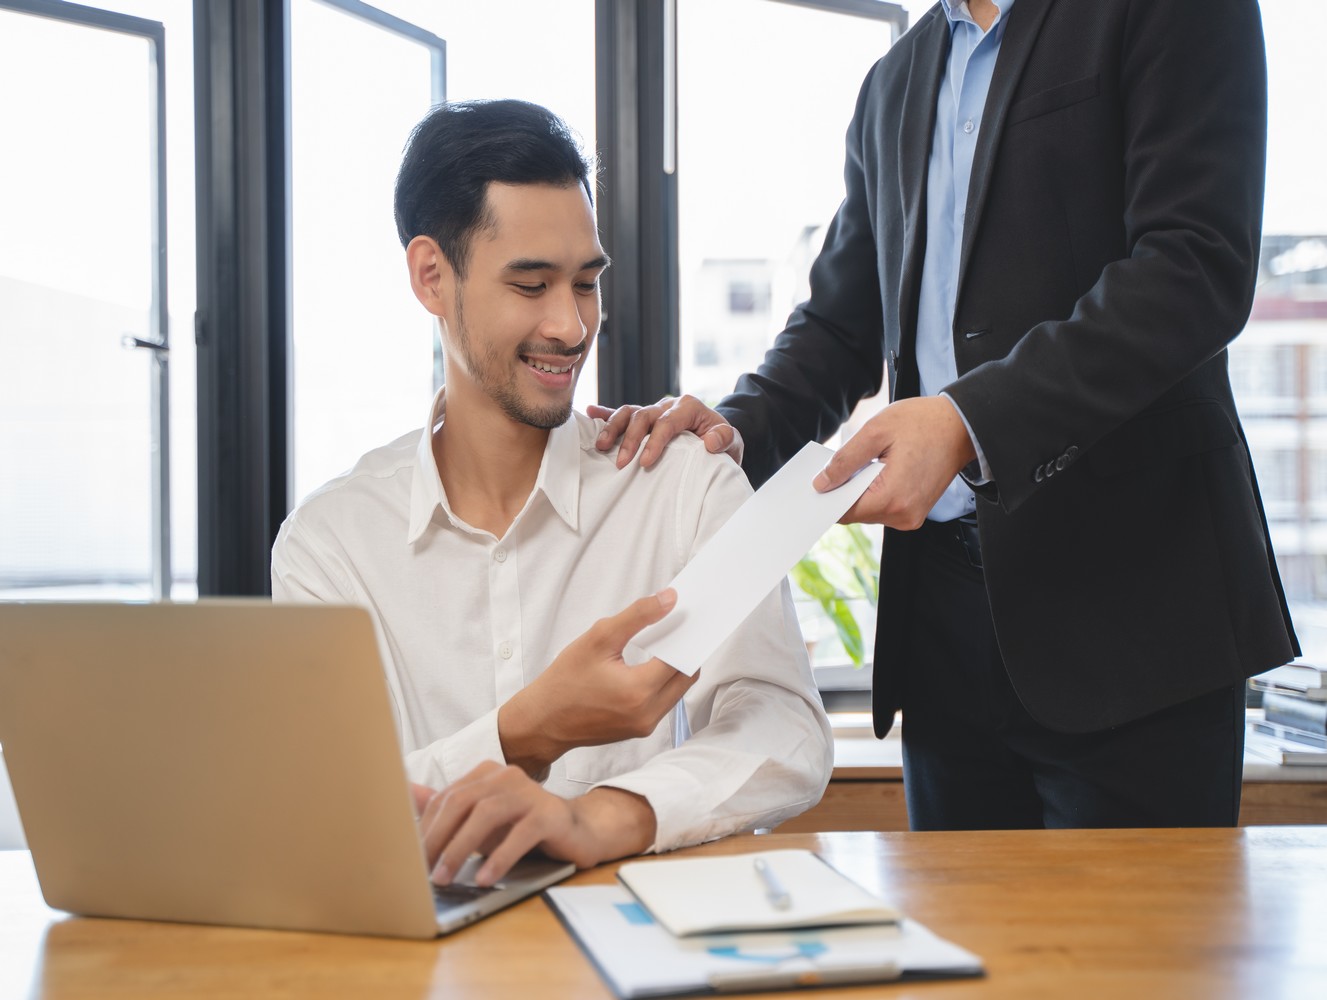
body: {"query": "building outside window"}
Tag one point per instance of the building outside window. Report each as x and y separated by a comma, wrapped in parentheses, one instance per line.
(1276, 367)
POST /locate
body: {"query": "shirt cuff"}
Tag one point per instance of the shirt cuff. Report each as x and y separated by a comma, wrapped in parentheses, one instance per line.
(444, 761)
(977, 473)
(687, 799)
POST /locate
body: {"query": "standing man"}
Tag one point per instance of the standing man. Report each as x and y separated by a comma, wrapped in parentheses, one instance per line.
(487, 543)
(1050, 234)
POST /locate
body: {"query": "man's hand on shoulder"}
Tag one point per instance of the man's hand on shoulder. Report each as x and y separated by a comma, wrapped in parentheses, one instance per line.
(502, 813)
(922, 442)
(661, 422)
(589, 696)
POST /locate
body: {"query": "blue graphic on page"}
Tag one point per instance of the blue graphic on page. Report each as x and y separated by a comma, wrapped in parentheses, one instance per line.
(634, 913)
(801, 949)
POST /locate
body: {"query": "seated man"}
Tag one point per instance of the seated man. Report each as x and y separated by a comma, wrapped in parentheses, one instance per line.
(495, 537)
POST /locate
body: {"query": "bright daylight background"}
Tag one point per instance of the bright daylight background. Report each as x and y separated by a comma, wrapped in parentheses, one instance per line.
(765, 91)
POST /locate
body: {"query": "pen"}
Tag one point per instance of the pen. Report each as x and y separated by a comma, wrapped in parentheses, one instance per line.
(774, 890)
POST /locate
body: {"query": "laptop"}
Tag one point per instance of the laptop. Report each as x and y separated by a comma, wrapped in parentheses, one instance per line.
(226, 762)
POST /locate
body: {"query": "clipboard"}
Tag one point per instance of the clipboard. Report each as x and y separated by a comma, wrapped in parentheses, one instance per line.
(638, 958)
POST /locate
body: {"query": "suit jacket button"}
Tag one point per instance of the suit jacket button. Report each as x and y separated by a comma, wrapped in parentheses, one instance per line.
(1072, 453)
(1037, 476)
(1060, 463)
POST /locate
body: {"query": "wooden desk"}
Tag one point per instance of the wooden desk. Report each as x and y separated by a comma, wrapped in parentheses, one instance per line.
(1082, 914)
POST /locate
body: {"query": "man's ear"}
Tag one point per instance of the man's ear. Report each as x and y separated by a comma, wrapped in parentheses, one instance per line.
(431, 276)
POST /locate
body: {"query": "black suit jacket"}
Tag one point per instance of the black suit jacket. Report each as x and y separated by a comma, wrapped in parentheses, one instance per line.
(1108, 256)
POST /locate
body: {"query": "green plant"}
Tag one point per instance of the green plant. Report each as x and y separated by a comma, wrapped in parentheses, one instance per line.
(843, 566)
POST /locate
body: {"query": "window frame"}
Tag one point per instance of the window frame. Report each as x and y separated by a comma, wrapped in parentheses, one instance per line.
(244, 322)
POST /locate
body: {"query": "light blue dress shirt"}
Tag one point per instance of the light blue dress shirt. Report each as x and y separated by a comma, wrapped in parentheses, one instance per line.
(959, 110)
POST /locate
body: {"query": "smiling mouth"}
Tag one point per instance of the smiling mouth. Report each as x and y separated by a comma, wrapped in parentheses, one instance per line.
(544, 366)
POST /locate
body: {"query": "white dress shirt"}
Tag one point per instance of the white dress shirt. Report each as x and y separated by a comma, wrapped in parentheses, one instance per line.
(465, 620)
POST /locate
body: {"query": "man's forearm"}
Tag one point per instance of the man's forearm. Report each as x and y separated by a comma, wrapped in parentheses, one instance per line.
(614, 823)
(526, 743)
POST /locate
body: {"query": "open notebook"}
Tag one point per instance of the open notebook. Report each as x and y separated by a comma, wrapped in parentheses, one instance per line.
(768, 890)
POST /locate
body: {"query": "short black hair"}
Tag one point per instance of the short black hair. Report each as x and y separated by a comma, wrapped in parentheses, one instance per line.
(461, 147)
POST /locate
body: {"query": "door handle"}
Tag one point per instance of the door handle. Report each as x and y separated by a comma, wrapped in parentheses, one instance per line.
(133, 343)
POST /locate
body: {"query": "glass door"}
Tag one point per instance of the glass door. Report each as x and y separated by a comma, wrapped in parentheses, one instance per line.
(84, 390)
(364, 352)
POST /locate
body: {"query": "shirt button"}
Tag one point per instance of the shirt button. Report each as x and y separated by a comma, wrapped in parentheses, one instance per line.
(968, 126)
(500, 555)
(505, 651)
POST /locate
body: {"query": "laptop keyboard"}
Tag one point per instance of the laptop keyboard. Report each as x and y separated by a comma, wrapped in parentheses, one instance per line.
(457, 895)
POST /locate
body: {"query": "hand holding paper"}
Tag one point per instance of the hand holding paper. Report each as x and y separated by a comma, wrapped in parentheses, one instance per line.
(747, 557)
(589, 695)
(923, 443)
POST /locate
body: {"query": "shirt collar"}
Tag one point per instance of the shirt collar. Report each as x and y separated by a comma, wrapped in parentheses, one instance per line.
(957, 10)
(560, 472)
(559, 478)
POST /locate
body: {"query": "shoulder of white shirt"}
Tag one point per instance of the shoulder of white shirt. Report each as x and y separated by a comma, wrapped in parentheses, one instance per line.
(380, 463)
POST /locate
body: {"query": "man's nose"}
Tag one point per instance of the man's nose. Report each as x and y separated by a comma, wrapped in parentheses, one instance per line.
(563, 321)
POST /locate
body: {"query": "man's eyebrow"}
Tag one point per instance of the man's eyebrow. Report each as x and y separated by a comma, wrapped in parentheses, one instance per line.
(524, 264)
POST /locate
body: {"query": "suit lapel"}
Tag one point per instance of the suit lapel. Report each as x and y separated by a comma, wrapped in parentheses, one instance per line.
(916, 128)
(1019, 35)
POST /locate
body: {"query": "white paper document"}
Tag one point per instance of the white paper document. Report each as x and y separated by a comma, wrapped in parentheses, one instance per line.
(746, 558)
(638, 958)
(727, 893)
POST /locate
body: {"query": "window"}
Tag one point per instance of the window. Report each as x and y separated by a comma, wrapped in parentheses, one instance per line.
(1318, 482)
(1279, 479)
(1318, 377)
(751, 217)
(1263, 370)
(89, 518)
(1277, 363)
(97, 398)
(748, 297)
(362, 349)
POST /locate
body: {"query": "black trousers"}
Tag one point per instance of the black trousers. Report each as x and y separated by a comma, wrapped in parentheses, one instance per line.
(974, 759)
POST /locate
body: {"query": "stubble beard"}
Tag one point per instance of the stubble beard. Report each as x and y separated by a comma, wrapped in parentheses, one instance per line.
(487, 371)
